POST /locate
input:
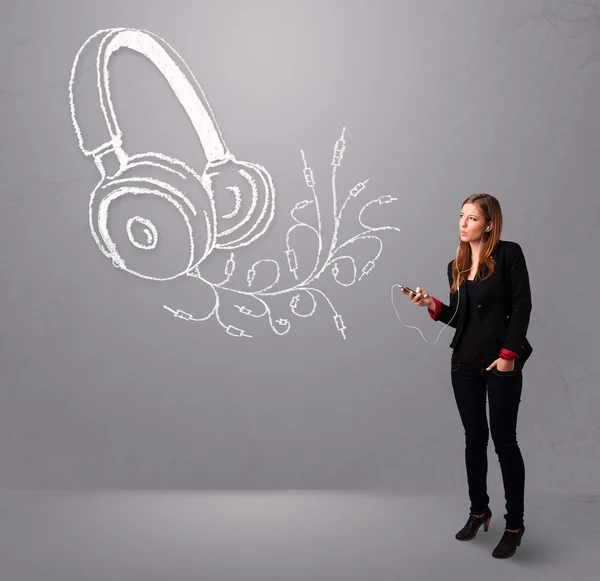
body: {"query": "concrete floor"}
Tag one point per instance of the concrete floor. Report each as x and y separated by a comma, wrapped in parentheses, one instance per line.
(287, 536)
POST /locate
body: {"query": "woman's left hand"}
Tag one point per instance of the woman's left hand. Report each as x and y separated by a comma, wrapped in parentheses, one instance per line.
(503, 364)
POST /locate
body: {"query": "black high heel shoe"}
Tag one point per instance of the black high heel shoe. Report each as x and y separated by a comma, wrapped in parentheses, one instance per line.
(469, 531)
(508, 544)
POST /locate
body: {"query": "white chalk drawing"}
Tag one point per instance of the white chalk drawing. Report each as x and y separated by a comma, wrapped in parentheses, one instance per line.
(197, 200)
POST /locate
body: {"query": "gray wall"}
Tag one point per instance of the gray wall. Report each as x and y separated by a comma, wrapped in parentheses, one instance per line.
(102, 387)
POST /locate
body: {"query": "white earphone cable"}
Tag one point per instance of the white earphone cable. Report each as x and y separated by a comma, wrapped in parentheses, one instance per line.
(454, 315)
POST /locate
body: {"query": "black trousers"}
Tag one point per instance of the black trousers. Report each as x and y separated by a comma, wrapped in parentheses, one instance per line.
(471, 384)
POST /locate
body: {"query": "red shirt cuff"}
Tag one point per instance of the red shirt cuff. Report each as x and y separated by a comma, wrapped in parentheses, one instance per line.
(438, 309)
(508, 354)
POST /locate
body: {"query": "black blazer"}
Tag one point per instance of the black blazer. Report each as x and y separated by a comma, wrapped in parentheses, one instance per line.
(506, 304)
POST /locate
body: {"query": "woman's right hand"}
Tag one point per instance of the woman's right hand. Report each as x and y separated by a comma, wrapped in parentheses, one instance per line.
(421, 299)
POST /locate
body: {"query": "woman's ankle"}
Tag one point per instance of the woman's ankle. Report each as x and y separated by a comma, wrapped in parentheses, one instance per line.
(480, 512)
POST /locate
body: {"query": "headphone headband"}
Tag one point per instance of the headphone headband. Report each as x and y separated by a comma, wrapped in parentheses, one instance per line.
(171, 66)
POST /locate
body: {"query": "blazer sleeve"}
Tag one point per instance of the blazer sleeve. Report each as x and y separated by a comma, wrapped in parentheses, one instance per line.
(520, 301)
(446, 313)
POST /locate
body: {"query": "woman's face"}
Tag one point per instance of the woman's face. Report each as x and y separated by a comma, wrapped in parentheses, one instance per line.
(472, 224)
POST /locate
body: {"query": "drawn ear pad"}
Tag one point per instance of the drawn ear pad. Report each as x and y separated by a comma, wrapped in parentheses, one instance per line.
(154, 219)
(244, 198)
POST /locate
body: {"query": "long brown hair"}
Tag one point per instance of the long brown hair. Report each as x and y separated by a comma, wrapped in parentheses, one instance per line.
(490, 208)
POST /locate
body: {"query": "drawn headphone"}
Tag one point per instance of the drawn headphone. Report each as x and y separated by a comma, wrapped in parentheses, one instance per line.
(194, 201)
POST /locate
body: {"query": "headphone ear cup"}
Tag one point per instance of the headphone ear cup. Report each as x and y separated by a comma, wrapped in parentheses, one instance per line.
(154, 218)
(244, 198)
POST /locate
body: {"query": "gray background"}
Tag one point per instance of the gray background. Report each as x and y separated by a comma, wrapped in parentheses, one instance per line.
(102, 388)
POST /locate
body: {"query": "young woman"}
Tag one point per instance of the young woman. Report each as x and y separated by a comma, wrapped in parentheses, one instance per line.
(490, 309)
